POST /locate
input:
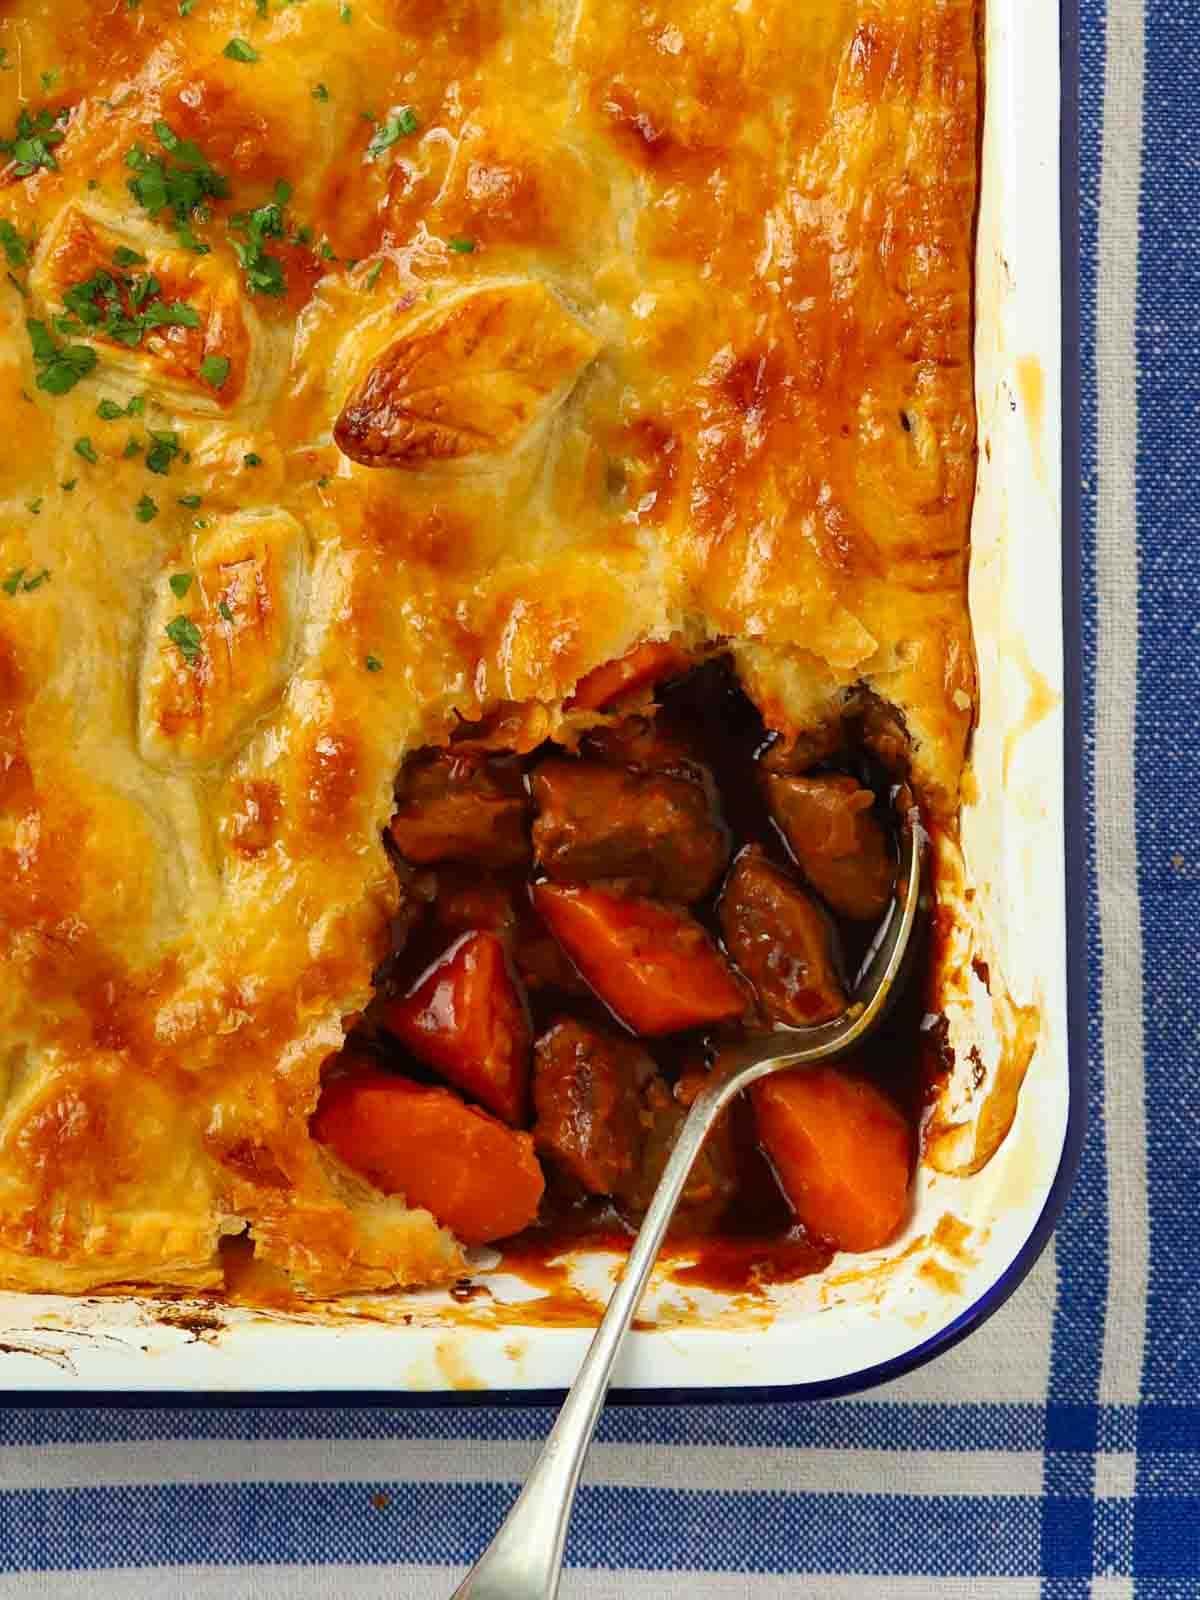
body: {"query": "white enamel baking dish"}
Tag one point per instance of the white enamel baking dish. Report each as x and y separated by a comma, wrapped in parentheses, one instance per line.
(865, 1318)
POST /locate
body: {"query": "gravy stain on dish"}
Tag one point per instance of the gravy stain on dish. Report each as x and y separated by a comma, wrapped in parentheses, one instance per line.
(515, 1352)
(749, 1266)
(741, 1271)
(56, 1355)
(993, 1037)
(451, 1362)
(1031, 385)
(1041, 699)
(951, 1236)
(675, 1314)
(963, 1146)
(1021, 1161)
(561, 1302)
(941, 1278)
(877, 1275)
(205, 1326)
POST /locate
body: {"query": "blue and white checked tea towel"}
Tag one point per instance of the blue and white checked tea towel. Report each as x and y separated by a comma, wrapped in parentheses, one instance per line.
(1057, 1452)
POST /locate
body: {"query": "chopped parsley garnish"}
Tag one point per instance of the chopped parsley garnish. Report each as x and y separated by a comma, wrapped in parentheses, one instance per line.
(327, 251)
(181, 185)
(180, 583)
(122, 308)
(398, 126)
(226, 613)
(373, 274)
(320, 92)
(146, 509)
(345, 13)
(264, 272)
(240, 50)
(33, 143)
(185, 635)
(50, 77)
(34, 507)
(123, 256)
(252, 459)
(373, 664)
(193, 502)
(16, 252)
(110, 411)
(85, 448)
(164, 448)
(17, 580)
(132, 448)
(215, 370)
(185, 7)
(69, 485)
(60, 367)
(462, 247)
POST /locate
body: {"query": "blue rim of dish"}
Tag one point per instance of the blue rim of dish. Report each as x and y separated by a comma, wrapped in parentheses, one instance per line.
(1076, 959)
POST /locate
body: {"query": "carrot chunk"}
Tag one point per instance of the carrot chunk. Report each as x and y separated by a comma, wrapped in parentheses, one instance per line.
(652, 965)
(478, 1178)
(644, 665)
(464, 1018)
(841, 1151)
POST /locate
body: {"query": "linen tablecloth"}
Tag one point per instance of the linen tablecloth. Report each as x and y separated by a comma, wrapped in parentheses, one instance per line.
(1057, 1452)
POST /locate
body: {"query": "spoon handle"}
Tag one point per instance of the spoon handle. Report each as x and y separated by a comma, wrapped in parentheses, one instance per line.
(524, 1559)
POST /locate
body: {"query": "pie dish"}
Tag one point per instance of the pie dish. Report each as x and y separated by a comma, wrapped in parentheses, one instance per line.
(381, 369)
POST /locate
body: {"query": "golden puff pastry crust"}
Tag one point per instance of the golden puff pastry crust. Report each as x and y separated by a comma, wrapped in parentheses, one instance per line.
(365, 367)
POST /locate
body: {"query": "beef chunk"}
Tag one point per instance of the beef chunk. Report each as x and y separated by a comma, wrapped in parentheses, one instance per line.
(878, 727)
(587, 1094)
(825, 741)
(645, 744)
(599, 821)
(782, 941)
(467, 899)
(863, 722)
(838, 843)
(607, 1121)
(455, 808)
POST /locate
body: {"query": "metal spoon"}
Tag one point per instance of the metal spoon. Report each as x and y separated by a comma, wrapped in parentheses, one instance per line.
(524, 1559)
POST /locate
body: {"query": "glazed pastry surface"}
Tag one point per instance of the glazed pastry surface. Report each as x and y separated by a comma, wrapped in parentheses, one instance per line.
(366, 366)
